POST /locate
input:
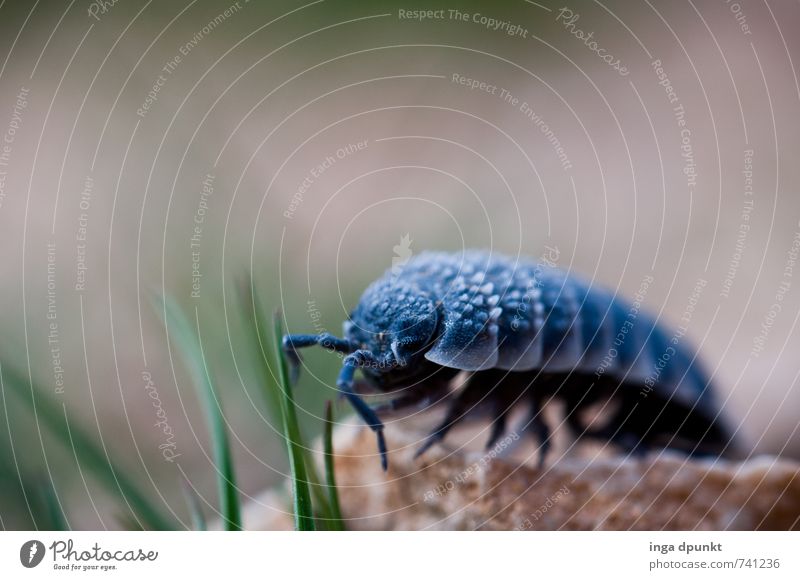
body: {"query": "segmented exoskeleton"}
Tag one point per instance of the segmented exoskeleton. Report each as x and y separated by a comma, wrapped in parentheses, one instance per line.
(526, 332)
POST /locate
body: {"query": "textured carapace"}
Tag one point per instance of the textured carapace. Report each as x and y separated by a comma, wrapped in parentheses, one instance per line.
(525, 331)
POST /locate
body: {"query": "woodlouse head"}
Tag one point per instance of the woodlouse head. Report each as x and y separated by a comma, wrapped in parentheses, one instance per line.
(396, 322)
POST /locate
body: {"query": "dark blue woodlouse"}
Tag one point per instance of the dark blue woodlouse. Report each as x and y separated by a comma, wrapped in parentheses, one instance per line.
(525, 331)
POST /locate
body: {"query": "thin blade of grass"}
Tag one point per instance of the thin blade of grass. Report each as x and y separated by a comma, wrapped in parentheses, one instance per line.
(256, 325)
(189, 343)
(322, 509)
(195, 508)
(335, 522)
(303, 509)
(57, 522)
(53, 415)
(273, 394)
(128, 523)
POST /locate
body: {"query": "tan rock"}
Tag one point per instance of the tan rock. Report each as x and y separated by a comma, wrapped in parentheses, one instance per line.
(454, 488)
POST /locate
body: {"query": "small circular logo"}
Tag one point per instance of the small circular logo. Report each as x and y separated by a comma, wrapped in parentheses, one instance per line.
(31, 553)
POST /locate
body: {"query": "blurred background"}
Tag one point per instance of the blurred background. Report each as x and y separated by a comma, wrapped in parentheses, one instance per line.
(168, 148)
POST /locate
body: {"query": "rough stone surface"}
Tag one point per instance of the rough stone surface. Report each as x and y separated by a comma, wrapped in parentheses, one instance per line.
(457, 489)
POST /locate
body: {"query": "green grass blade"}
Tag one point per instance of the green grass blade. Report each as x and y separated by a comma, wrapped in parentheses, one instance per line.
(187, 338)
(256, 325)
(335, 522)
(273, 396)
(303, 509)
(56, 521)
(273, 393)
(322, 509)
(195, 508)
(128, 523)
(54, 416)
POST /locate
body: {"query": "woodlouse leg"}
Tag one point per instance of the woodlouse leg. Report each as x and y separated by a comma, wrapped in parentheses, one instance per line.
(575, 404)
(345, 386)
(291, 342)
(499, 427)
(628, 441)
(625, 429)
(540, 430)
(580, 394)
(632, 444)
(634, 422)
(502, 391)
(459, 408)
(572, 411)
(363, 387)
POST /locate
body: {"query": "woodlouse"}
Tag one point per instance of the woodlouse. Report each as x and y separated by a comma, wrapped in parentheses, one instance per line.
(524, 331)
